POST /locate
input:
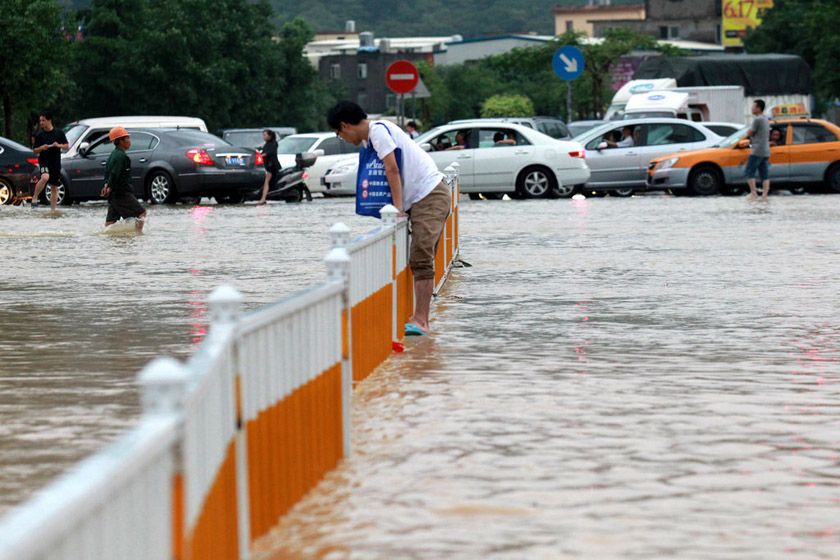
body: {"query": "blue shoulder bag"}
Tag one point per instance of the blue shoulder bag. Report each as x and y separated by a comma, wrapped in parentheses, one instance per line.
(372, 189)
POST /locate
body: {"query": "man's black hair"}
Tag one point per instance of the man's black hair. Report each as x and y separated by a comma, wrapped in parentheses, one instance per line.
(412, 124)
(498, 137)
(46, 114)
(347, 112)
(761, 104)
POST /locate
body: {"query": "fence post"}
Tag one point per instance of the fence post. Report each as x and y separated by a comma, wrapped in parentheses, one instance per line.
(338, 268)
(163, 385)
(225, 303)
(389, 215)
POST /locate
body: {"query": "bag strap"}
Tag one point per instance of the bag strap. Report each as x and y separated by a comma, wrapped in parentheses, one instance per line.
(388, 130)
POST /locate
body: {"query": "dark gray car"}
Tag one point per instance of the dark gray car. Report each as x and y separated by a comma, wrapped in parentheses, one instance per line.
(166, 164)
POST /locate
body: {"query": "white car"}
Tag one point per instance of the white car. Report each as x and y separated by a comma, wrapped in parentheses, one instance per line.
(333, 147)
(621, 168)
(494, 159)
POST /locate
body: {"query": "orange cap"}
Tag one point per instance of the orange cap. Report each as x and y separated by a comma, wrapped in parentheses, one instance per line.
(117, 132)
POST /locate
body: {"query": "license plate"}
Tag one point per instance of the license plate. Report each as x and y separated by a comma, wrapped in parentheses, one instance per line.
(235, 160)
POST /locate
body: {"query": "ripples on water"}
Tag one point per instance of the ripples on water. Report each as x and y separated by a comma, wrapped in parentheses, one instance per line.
(643, 378)
(651, 377)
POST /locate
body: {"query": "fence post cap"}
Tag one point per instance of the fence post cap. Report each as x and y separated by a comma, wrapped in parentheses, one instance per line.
(389, 214)
(338, 262)
(164, 385)
(340, 235)
(225, 303)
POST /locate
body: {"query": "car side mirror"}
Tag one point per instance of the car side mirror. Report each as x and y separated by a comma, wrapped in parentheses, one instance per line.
(602, 146)
(83, 148)
(743, 144)
(426, 147)
(318, 152)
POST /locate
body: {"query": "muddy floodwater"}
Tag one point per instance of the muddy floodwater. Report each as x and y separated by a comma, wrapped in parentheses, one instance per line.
(641, 378)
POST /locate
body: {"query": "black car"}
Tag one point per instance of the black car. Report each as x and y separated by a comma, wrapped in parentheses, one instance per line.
(18, 170)
(166, 164)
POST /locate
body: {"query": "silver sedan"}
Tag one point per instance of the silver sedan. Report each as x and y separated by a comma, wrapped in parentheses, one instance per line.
(618, 152)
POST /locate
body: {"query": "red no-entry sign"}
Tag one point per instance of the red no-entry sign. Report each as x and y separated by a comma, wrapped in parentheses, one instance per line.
(401, 76)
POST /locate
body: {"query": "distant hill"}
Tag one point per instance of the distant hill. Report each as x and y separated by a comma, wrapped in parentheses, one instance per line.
(469, 18)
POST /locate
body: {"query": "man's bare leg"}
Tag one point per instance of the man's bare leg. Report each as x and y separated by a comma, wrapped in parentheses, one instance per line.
(139, 222)
(39, 186)
(765, 188)
(54, 197)
(423, 290)
(753, 192)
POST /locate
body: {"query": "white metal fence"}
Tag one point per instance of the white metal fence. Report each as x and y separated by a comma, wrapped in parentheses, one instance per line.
(229, 441)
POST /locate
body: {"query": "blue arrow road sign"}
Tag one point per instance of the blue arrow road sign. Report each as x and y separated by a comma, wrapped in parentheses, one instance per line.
(568, 62)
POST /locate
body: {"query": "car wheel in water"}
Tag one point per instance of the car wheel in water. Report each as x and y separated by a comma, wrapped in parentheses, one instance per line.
(229, 198)
(622, 192)
(7, 192)
(535, 182)
(797, 190)
(705, 181)
(161, 189)
(493, 195)
(562, 191)
(832, 178)
(475, 196)
(63, 196)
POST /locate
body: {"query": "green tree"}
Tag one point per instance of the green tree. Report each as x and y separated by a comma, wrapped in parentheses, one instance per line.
(806, 28)
(507, 106)
(32, 67)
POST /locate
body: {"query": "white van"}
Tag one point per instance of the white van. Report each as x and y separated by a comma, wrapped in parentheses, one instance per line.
(89, 130)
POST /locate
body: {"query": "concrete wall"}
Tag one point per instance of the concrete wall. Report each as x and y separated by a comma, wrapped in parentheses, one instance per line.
(581, 19)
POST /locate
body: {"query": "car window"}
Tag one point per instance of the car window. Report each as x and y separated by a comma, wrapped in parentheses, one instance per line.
(721, 130)
(662, 134)
(245, 138)
(812, 134)
(102, 147)
(142, 141)
(73, 132)
(348, 148)
(95, 135)
(500, 137)
(453, 138)
(613, 135)
(196, 138)
(331, 146)
(295, 144)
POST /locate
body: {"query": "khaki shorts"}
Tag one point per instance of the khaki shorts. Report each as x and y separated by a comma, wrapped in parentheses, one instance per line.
(427, 219)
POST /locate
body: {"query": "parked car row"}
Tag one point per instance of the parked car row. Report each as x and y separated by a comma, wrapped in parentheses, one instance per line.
(18, 170)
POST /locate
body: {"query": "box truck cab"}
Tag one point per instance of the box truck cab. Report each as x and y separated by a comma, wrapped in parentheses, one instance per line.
(631, 88)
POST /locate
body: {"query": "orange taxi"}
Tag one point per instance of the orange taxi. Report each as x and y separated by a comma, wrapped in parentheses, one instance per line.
(807, 153)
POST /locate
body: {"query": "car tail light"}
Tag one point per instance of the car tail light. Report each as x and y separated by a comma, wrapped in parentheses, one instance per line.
(259, 159)
(305, 175)
(200, 156)
(579, 154)
(32, 161)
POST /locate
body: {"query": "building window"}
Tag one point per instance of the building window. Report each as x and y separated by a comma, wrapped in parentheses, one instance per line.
(674, 32)
(570, 25)
(361, 71)
(335, 71)
(663, 32)
(391, 101)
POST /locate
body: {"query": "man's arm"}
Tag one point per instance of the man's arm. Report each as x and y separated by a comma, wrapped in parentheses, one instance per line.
(392, 172)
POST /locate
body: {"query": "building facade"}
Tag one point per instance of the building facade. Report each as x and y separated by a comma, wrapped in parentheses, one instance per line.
(691, 20)
(584, 18)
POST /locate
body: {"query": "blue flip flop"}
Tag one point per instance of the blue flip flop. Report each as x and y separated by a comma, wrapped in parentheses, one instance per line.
(413, 330)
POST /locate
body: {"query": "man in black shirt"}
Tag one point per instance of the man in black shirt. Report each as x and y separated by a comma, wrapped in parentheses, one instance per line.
(49, 141)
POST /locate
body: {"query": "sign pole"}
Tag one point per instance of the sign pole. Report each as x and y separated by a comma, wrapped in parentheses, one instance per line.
(568, 63)
(568, 102)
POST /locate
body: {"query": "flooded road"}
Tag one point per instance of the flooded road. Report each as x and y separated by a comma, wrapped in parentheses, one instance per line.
(651, 377)
(81, 313)
(645, 378)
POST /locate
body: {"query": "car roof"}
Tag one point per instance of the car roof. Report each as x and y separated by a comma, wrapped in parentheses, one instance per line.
(317, 135)
(257, 129)
(136, 120)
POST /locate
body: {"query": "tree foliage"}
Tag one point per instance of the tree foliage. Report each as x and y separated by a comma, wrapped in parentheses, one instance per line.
(33, 60)
(507, 106)
(806, 28)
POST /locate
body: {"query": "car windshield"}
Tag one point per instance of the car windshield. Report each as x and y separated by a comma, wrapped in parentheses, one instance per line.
(295, 144)
(73, 132)
(428, 135)
(15, 146)
(732, 139)
(245, 138)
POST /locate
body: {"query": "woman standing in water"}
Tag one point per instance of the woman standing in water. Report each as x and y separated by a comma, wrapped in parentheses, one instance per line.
(272, 166)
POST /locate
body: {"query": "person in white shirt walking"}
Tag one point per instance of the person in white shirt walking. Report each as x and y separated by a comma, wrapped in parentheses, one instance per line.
(417, 190)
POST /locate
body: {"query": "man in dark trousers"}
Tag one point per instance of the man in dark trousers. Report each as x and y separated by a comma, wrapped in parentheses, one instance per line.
(121, 200)
(49, 141)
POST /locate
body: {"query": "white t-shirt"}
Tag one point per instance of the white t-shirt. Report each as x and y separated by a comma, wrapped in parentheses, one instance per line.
(419, 173)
